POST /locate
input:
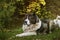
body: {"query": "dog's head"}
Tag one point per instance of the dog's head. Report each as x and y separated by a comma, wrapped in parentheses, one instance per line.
(30, 19)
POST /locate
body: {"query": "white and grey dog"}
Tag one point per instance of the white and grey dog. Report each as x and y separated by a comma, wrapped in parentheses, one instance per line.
(31, 24)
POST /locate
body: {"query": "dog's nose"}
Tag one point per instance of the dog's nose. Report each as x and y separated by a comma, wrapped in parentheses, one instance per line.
(25, 22)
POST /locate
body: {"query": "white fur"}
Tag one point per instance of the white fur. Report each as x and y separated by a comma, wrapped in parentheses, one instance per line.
(57, 21)
(26, 34)
(58, 17)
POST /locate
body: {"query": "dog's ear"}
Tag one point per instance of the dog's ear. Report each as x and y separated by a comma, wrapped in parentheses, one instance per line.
(36, 17)
(26, 14)
(34, 14)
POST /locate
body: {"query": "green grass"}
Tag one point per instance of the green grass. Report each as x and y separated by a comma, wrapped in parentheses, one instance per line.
(11, 35)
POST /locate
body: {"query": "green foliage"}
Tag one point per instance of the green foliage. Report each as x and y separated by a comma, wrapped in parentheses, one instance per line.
(6, 10)
(35, 6)
(11, 11)
(46, 14)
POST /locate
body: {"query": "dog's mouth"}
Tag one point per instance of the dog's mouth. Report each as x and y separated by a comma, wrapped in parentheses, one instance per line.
(28, 25)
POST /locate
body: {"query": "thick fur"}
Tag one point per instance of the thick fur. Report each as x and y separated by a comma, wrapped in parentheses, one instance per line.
(44, 27)
(30, 29)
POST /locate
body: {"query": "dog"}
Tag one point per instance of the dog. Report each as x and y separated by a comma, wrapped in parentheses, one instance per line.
(56, 22)
(30, 25)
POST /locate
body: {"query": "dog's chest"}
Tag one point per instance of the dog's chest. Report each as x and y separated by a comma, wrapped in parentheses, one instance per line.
(31, 28)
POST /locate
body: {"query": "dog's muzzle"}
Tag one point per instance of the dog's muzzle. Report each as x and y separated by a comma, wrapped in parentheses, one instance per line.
(26, 23)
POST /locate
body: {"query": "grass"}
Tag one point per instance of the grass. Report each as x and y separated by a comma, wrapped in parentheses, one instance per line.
(10, 35)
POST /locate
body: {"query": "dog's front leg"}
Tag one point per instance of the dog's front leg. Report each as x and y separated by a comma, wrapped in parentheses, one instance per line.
(26, 34)
(50, 26)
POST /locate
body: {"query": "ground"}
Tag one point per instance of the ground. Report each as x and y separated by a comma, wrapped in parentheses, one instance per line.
(6, 34)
